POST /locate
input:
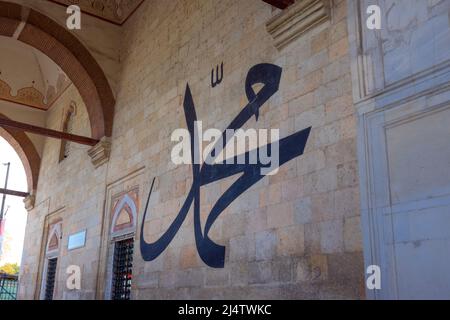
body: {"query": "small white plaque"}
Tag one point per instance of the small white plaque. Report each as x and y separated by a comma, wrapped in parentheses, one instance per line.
(77, 240)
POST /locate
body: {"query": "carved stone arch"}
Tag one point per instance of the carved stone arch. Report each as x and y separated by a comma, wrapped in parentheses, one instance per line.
(27, 153)
(124, 216)
(54, 239)
(60, 45)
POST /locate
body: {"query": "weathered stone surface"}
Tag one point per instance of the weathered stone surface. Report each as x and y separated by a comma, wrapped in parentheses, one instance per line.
(303, 211)
(266, 243)
(260, 272)
(291, 241)
(352, 234)
(331, 236)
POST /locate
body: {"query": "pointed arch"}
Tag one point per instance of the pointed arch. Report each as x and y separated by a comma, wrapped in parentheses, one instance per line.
(125, 206)
(53, 239)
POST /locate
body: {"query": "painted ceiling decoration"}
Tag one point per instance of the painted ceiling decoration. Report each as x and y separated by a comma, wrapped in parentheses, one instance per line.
(26, 96)
(28, 77)
(115, 11)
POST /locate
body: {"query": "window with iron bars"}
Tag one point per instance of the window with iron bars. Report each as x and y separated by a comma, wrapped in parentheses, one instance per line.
(50, 279)
(122, 270)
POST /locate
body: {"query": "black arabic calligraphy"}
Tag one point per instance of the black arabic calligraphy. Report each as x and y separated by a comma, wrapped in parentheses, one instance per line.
(290, 147)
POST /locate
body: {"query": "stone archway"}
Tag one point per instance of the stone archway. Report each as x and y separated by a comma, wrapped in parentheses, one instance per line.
(27, 153)
(39, 31)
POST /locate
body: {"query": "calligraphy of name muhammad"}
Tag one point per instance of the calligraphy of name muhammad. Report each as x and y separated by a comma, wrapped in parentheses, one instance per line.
(291, 147)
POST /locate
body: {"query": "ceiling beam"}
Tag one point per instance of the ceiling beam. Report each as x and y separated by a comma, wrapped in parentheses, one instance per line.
(280, 4)
(7, 123)
(14, 193)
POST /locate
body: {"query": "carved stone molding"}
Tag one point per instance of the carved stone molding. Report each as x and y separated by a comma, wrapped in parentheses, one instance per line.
(296, 20)
(100, 152)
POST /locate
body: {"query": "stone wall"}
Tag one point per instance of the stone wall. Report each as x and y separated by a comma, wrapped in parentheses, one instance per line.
(71, 191)
(292, 235)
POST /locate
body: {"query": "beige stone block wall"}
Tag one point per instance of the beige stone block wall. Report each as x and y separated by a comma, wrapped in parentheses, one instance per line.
(292, 235)
(73, 191)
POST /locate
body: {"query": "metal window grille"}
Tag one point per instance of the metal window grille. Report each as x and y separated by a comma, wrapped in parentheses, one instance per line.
(50, 280)
(8, 287)
(122, 269)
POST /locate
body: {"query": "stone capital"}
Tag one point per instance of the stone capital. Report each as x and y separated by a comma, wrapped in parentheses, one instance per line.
(30, 201)
(100, 152)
